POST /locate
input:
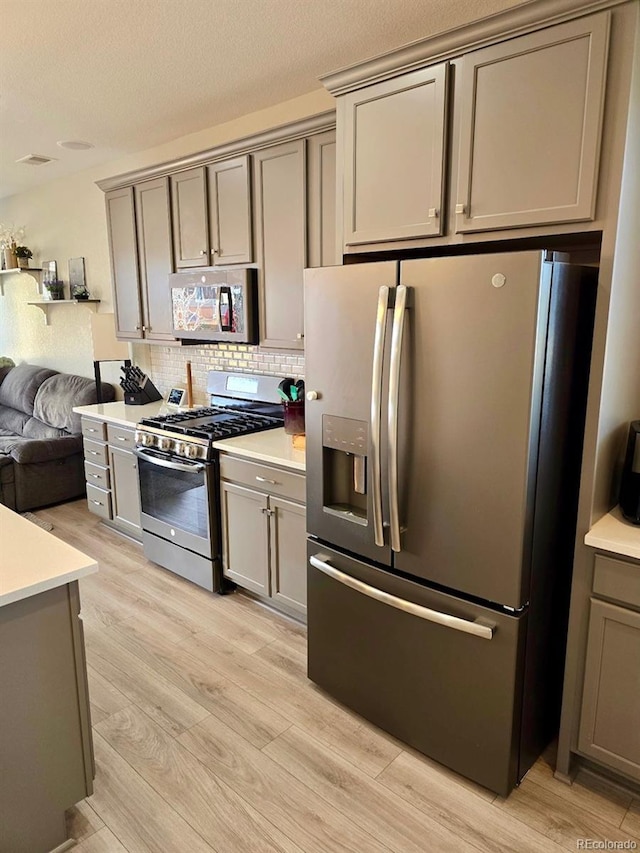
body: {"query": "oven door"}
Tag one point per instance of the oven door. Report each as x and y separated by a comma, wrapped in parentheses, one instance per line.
(176, 500)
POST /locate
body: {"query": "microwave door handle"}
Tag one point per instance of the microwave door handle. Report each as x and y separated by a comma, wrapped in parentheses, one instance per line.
(395, 364)
(376, 414)
(189, 467)
(224, 298)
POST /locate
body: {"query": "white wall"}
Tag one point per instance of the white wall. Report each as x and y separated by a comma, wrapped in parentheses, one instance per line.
(66, 219)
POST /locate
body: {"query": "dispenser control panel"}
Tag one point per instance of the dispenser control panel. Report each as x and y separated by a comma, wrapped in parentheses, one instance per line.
(345, 434)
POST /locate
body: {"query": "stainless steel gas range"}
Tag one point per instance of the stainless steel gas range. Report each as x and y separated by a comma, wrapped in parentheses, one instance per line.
(179, 472)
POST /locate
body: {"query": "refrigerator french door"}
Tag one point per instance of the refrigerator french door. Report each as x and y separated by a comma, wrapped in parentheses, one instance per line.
(443, 452)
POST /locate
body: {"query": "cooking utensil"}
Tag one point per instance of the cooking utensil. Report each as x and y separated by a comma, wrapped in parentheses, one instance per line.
(285, 387)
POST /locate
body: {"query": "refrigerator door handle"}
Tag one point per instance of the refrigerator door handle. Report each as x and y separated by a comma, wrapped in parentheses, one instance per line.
(478, 628)
(399, 315)
(376, 415)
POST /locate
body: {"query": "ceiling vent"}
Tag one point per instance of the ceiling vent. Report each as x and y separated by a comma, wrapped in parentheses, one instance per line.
(35, 160)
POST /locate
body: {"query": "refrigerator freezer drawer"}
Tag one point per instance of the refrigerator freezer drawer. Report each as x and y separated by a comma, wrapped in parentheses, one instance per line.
(442, 674)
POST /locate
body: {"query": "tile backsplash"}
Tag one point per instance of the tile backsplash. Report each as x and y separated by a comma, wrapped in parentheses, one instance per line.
(167, 364)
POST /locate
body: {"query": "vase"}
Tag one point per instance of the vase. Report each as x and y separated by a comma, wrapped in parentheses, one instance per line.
(10, 260)
(23, 263)
(55, 291)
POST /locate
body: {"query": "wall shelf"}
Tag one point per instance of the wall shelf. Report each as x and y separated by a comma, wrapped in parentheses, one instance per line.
(27, 270)
(45, 304)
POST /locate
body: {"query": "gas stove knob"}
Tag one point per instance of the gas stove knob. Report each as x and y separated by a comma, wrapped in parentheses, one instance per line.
(145, 439)
(191, 451)
(180, 448)
(165, 443)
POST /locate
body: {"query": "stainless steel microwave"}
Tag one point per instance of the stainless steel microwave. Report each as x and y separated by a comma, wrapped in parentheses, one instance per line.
(217, 305)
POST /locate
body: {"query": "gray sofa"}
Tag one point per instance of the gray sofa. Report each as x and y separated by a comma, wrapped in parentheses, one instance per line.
(41, 456)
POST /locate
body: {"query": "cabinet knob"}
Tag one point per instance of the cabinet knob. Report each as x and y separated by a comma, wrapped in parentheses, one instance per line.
(203, 252)
(300, 336)
(214, 251)
(434, 213)
(312, 395)
(461, 208)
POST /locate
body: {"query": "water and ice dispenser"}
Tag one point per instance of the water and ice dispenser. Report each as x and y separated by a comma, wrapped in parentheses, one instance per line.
(344, 448)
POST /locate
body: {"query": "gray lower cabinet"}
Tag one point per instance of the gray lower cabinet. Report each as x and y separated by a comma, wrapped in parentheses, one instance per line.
(610, 719)
(264, 532)
(113, 490)
(279, 191)
(189, 207)
(45, 726)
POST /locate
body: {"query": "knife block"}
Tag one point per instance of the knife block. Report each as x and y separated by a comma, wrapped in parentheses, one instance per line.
(147, 393)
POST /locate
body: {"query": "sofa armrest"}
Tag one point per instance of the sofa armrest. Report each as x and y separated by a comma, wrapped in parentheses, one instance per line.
(46, 449)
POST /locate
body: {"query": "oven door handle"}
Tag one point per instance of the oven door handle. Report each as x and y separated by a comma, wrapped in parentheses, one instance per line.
(189, 467)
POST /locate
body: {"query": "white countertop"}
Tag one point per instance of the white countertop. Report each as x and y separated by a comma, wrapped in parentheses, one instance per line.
(119, 413)
(613, 533)
(273, 447)
(33, 560)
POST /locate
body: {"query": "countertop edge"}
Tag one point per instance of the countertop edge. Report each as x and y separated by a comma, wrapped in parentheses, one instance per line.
(612, 533)
(46, 584)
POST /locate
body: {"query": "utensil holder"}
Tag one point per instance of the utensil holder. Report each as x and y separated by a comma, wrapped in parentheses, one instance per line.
(293, 417)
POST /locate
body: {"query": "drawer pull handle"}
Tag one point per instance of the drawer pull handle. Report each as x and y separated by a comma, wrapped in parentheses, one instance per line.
(96, 476)
(93, 452)
(121, 437)
(91, 429)
(478, 627)
(97, 503)
(271, 482)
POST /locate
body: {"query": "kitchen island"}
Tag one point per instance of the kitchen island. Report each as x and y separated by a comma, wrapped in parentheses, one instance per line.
(45, 732)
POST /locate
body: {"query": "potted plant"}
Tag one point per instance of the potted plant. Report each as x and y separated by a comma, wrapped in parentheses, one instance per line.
(23, 254)
(55, 289)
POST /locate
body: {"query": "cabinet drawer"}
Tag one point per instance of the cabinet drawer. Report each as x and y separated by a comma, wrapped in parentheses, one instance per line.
(96, 430)
(99, 501)
(95, 452)
(263, 477)
(617, 579)
(120, 436)
(96, 475)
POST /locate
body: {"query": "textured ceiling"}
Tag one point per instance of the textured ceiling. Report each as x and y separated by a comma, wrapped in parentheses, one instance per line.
(131, 74)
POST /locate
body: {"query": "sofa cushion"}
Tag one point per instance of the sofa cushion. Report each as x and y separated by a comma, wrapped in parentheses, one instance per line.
(26, 451)
(21, 385)
(58, 395)
(12, 421)
(37, 429)
(8, 443)
(4, 370)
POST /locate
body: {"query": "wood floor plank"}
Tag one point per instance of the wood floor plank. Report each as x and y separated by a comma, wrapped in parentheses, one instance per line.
(209, 805)
(316, 826)
(589, 792)
(105, 698)
(163, 701)
(631, 821)
(364, 745)
(103, 841)
(398, 824)
(556, 817)
(82, 821)
(471, 816)
(139, 817)
(278, 626)
(241, 711)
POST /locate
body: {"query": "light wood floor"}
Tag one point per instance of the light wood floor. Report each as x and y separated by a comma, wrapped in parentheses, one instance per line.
(209, 737)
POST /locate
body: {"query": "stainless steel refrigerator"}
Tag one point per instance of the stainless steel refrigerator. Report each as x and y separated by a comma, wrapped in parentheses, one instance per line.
(445, 416)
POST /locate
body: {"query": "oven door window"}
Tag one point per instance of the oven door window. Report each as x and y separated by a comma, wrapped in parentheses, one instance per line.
(175, 496)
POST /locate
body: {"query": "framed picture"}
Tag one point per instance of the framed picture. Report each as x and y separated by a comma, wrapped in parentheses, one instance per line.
(77, 284)
(49, 275)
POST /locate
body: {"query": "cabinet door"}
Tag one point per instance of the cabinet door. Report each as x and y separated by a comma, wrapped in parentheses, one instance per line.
(245, 537)
(610, 720)
(230, 212)
(153, 217)
(288, 551)
(125, 489)
(530, 123)
(280, 202)
(189, 205)
(321, 201)
(121, 230)
(393, 158)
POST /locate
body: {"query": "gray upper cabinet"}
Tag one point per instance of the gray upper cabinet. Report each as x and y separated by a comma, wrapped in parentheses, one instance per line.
(321, 200)
(153, 217)
(530, 125)
(121, 230)
(279, 184)
(230, 212)
(189, 207)
(394, 145)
